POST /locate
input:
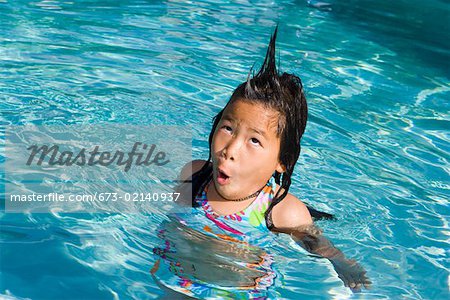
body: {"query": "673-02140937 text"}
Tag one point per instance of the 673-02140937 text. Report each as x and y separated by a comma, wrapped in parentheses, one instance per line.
(102, 197)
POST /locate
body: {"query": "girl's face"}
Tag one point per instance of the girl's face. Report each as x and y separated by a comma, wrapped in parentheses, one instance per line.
(245, 149)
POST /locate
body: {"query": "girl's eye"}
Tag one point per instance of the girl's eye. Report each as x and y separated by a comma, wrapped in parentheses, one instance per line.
(227, 128)
(255, 141)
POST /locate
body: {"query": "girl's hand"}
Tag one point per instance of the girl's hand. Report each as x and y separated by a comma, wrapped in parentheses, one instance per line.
(351, 273)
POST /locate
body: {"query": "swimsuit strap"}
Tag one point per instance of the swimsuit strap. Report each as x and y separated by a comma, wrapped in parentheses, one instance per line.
(262, 202)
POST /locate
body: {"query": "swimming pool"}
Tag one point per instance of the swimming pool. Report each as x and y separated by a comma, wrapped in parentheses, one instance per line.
(375, 152)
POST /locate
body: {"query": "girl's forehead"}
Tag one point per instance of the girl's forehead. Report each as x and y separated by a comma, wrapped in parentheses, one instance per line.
(249, 105)
(254, 113)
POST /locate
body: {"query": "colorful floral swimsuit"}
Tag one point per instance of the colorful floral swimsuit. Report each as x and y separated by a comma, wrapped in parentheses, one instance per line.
(243, 229)
(253, 214)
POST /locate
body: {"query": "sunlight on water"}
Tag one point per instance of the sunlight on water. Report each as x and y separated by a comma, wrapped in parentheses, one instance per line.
(375, 153)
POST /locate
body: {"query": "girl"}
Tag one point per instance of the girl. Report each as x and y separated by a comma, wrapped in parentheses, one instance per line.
(254, 146)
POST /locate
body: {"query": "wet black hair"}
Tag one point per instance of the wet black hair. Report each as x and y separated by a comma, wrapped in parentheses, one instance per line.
(283, 93)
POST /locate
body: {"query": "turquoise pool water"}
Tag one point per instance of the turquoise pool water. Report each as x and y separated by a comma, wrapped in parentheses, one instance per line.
(375, 153)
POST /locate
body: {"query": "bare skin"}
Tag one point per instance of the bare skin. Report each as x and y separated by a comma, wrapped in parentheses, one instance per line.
(245, 151)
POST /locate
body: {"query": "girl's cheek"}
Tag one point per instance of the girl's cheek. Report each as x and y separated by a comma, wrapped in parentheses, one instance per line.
(221, 135)
(219, 140)
(253, 152)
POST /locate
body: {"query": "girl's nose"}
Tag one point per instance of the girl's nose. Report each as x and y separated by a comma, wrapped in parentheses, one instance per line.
(231, 149)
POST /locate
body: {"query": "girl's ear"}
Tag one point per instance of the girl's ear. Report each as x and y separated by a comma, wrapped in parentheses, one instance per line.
(280, 168)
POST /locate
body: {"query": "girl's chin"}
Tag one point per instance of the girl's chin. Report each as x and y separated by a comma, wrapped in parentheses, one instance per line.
(225, 190)
(229, 192)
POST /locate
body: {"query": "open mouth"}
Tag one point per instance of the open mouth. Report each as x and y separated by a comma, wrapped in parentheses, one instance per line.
(222, 177)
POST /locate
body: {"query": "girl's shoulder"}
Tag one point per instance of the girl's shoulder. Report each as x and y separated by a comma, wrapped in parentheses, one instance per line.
(191, 168)
(290, 213)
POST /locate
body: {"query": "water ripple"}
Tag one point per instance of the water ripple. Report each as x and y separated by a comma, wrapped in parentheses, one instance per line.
(375, 152)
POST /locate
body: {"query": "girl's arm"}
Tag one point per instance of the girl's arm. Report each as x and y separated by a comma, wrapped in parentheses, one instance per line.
(292, 217)
(349, 270)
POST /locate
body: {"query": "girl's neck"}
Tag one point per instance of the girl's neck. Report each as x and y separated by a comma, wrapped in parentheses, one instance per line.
(214, 195)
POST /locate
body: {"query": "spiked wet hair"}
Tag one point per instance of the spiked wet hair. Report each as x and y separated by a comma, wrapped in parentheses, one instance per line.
(283, 93)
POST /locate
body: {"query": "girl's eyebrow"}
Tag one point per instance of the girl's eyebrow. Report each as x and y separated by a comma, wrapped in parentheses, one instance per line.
(227, 118)
(254, 129)
(259, 131)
